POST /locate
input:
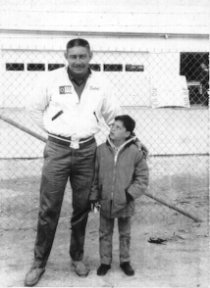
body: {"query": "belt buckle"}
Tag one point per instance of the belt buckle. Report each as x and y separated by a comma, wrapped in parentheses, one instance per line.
(74, 144)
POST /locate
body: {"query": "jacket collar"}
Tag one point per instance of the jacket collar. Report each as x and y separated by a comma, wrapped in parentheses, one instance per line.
(127, 142)
(117, 150)
(78, 80)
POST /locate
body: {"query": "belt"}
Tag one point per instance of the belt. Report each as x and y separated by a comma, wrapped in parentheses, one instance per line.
(72, 143)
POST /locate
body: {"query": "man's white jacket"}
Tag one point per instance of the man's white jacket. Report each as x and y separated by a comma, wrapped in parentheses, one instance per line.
(78, 117)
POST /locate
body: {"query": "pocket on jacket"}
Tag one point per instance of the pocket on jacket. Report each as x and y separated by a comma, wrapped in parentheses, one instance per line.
(55, 116)
(120, 198)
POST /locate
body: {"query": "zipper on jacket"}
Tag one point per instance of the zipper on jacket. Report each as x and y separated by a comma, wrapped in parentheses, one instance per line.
(111, 207)
(116, 154)
(113, 181)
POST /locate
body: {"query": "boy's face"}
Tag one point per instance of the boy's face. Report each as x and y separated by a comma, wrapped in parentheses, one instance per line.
(118, 131)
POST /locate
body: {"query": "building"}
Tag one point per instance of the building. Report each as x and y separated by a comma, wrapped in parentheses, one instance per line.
(152, 53)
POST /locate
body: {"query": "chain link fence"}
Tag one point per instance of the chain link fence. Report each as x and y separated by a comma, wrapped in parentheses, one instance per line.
(166, 93)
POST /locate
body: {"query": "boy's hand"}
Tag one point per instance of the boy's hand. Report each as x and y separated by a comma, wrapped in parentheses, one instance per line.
(94, 205)
(128, 197)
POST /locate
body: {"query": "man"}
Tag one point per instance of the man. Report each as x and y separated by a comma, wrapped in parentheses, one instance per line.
(69, 105)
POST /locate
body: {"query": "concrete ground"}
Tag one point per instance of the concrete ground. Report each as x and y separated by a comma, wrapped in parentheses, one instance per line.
(181, 262)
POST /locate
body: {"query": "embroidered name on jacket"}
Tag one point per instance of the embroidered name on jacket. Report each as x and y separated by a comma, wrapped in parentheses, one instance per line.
(65, 89)
(94, 88)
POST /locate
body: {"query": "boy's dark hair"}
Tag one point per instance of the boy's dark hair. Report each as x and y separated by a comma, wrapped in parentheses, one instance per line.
(78, 42)
(127, 121)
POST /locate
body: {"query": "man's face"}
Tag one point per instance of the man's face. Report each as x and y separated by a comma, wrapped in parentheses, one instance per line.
(118, 131)
(78, 58)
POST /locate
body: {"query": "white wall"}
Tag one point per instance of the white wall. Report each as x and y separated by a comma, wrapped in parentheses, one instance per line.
(35, 40)
(161, 71)
(165, 131)
(39, 30)
(157, 16)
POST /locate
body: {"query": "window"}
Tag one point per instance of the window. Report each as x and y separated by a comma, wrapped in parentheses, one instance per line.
(14, 66)
(195, 66)
(134, 68)
(113, 67)
(95, 67)
(35, 67)
(53, 66)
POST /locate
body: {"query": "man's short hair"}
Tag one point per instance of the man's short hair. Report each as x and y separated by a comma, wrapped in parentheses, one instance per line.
(78, 42)
(127, 121)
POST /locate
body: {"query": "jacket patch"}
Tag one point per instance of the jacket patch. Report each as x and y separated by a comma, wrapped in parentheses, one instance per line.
(65, 89)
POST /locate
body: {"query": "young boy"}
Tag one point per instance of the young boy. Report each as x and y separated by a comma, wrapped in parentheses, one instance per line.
(121, 175)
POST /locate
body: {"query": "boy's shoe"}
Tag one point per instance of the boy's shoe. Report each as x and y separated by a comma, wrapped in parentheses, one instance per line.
(33, 276)
(127, 268)
(80, 268)
(103, 269)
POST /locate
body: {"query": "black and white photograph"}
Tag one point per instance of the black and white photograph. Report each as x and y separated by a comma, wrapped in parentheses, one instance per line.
(104, 143)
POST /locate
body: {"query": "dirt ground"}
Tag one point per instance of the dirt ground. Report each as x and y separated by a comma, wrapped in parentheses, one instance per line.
(183, 261)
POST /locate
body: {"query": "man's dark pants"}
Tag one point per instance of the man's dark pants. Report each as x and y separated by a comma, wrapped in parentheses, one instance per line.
(60, 164)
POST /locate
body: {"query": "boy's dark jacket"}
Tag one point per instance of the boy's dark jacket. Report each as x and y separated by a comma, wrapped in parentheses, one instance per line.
(117, 174)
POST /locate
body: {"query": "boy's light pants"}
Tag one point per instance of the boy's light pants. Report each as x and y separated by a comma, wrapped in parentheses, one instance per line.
(105, 237)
